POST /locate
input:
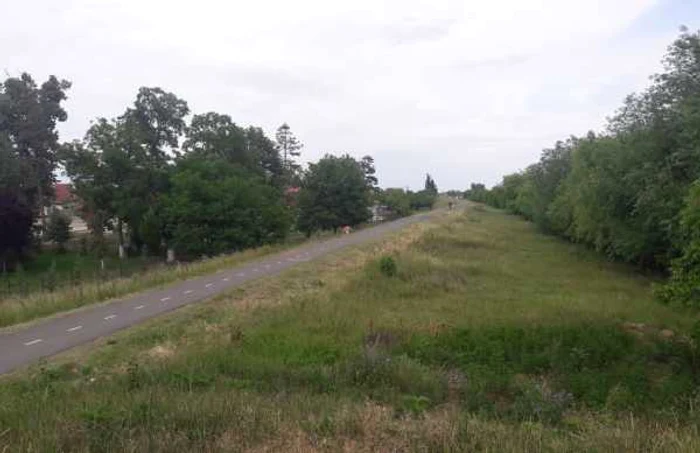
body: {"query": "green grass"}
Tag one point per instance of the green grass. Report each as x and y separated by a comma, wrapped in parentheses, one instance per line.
(54, 282)
(486, 336)
(50, 270)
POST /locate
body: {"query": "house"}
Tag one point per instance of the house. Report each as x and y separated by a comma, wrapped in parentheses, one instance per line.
(380, 213)
(291, 195)
(66, 201)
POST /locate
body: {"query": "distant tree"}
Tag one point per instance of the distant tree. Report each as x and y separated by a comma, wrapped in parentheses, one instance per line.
(15, 228)
(58, 229)
(290, 148)
(430, 185)
(28, 118)
(334, 193)
(397, 200)
(214, 207)
(213, 134)
(477, 192)
(367, 164)
(267, 155)
(425, 199)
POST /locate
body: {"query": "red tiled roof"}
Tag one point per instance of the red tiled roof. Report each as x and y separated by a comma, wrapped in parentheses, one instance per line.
(62, 193)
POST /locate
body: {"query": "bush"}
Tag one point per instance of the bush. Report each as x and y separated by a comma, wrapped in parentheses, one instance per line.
(387, 266)
(58, 229)
(683, 288)
(214, 207)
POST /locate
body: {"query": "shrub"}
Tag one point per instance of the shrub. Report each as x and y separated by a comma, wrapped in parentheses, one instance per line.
(683, 288)
(387, 266)
(58, 229)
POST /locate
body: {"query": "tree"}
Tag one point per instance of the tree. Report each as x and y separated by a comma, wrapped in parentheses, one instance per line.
(397, 200)
(333, 194)
(216, 135)
(425, 199)
(367, 164)
(625, 191)
(15, 228)
(477, 192)
(58, 229)
(155, 122)
(683, 288)
(290, 148)
(10, 174)
(121, 169)
(266, 154)
(430, 185)
(28, 118)
(215, 207)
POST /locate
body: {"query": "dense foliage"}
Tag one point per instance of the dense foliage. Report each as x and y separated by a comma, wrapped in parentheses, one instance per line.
(200, 188)
(28, 156)
(402, 202)
(163, 179)
(335, 193)
(631, 191)
(214, 207)
(58, 228)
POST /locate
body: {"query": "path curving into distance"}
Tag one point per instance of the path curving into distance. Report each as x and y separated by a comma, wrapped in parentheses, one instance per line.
(25, 345)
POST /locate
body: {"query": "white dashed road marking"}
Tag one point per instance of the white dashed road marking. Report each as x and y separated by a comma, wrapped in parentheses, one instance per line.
(165, 299)
(225, 279)
(208, 285)
(189, 291)
(73, 329)
(240, 274)
(29, 343)
(107, 318)
(139, 307)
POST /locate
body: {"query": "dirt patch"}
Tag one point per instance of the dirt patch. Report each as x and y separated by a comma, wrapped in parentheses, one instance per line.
(644, 331)
(162, 351)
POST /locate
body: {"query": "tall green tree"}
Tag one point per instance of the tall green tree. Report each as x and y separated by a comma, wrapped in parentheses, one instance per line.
(430, 185)
(29, 115)
(334, 193)
(266, 154)
(58, 229)
(290, 148)
(367, 164)
(215, 207)
(624, 191)
(121, 169)
(216, 135)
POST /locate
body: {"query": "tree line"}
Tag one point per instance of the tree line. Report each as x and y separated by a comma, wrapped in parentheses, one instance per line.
(632, 191)
(161, 178)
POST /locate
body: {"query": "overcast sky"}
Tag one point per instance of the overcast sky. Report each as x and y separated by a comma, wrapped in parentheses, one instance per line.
(466, 90)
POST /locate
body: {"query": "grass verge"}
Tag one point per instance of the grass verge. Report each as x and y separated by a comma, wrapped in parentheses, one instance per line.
(487, 336)
(18, 308)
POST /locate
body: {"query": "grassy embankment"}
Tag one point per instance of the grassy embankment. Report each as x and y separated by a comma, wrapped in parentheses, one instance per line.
(490, 337)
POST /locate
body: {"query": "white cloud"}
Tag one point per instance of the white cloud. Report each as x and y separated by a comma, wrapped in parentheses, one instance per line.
(466, 90)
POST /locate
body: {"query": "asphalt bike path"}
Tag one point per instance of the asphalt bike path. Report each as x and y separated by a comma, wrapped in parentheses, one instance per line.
(25, 345)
